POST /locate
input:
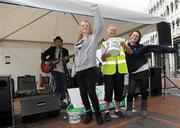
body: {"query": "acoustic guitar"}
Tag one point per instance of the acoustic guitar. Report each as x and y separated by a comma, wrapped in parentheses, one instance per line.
(48, 66)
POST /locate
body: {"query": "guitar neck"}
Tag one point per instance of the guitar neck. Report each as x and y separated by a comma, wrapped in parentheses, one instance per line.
(61, 59)
(57, 61)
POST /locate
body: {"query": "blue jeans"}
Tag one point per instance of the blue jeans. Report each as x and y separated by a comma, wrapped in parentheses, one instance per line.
(59, 79)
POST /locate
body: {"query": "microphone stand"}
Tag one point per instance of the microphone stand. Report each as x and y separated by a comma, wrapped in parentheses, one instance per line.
(99, 70)
(100, 63)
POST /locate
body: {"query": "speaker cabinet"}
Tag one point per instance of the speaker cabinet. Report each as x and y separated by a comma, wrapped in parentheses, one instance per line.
(26, 84)
(6, 107)
(164, 33)
(40, 107)
(155, 81)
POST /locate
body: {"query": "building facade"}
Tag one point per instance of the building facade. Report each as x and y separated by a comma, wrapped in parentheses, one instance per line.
(170, 9)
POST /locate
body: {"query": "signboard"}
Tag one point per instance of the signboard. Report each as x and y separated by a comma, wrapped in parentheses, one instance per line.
(76, 101)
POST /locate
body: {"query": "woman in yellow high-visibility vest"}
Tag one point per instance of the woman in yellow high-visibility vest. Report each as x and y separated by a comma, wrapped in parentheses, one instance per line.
(114, 69)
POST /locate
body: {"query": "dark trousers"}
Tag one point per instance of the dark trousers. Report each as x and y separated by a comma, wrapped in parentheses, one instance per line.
(87, 80)
(114, 83)
(140, 79)
(60, 84)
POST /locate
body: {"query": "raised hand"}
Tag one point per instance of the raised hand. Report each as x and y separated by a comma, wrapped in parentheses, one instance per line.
(94, 5)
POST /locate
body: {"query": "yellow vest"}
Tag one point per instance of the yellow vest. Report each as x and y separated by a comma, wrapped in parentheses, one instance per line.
(109, 67)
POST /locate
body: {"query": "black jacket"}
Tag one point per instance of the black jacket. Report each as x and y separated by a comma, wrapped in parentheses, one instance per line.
(49, 55)
(134, 62)
(137, 59)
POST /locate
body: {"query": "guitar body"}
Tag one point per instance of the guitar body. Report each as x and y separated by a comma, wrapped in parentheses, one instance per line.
(47, 68)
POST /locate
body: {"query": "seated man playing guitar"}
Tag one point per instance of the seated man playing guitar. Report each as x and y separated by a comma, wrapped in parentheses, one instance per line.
(54, 60)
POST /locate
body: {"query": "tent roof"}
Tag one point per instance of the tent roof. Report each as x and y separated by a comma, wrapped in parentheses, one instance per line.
(49, 18)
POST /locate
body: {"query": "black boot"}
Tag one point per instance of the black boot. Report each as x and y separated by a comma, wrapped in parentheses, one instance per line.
(99, 118)
(129, 112)
(144, 111)
(88, 117)
(107, 116)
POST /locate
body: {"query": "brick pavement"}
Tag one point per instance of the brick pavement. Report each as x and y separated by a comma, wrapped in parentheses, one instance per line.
(164, 113)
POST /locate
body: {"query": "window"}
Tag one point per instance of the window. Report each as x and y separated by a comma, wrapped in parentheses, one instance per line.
(154, 7)
(157, 5)
(177, 58)
(167, 9)
(151, 40)
(177, 22)
(151, 10)
(172, 6)
(176, 4)
(173, 24)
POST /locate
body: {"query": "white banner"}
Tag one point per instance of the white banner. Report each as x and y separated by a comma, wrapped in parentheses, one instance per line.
(76, 101)
(75, 97)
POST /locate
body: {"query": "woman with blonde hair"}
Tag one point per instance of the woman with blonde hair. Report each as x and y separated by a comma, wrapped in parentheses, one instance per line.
(85, 64)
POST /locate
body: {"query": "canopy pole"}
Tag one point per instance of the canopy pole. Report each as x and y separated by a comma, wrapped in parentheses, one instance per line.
(25, 25)
(75, 19)
(31, 41)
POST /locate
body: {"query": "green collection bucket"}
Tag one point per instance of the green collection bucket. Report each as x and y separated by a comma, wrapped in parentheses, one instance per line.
(73, 115)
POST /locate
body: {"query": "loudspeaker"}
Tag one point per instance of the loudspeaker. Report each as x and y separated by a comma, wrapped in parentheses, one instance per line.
(155, 81)
(164, 33)
(39, 107)
(26, 84)
(6, 108)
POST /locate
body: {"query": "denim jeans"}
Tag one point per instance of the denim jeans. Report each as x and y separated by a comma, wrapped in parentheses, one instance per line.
(59, 79)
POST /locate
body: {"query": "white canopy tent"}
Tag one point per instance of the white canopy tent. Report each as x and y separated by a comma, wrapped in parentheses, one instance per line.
(27, 27)
(46, 19)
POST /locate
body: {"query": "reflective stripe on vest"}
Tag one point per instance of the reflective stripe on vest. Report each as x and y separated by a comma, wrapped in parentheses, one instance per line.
(121, 61)
(114, 62)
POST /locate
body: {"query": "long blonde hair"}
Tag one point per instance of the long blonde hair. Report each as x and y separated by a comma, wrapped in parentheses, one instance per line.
(80, 33)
